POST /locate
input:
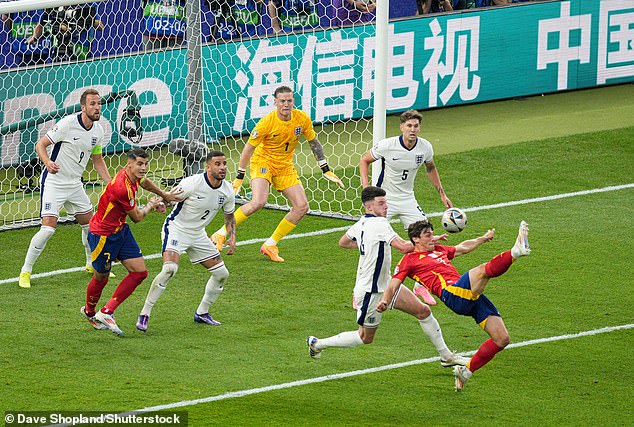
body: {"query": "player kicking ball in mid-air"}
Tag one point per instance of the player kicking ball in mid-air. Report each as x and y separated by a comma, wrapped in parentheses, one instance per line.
(204, 195)
(430, 265)
(111, 239)
(373, 236)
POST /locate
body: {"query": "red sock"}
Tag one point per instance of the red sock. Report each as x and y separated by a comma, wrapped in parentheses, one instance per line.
(124, 290)
(93, 293)
(485, 353)
(498, 264)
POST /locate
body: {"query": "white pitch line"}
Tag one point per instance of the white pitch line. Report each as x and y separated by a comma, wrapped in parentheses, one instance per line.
(331, 377)
(337, 229)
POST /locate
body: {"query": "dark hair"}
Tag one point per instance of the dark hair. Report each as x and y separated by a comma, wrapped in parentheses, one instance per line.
(84, 95)
(213, 154)
(282, 89)
(415, 229)
(411, 114)
(137, 152)
(370, 193)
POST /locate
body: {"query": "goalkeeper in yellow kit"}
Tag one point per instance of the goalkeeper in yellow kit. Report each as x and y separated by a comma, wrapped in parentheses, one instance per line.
(270, 151)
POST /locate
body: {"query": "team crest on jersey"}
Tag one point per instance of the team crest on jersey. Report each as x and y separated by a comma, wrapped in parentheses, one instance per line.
(264, 170)
(419, 159)
(298, 131)
(93, 141)
(221, 200)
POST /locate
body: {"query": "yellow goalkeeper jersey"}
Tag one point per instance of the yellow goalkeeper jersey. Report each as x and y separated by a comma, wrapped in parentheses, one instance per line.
(275, 140)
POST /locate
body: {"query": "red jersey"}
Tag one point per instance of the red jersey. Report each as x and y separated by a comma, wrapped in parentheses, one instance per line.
(115, 202)
(432, 269)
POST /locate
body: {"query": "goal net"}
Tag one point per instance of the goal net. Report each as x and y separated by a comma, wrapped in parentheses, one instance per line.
(199, 76)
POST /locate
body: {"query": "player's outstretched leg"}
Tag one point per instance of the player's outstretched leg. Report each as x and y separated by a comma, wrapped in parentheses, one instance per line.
(521, 247)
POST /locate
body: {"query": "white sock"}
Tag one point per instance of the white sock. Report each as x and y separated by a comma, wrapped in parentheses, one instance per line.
(158, 286)
(37, 245)
(432, 330)
(84, 240)
(270, 242)
(213, 289)
(348, 339)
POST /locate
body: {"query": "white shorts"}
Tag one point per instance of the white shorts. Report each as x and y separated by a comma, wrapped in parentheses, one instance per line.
(73, 199)
(199, 247)
(367, 315)
(407, 211)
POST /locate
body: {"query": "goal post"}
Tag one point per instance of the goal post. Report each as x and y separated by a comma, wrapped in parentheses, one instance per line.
(206, 91)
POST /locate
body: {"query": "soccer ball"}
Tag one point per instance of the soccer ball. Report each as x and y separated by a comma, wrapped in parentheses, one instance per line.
(454, 220)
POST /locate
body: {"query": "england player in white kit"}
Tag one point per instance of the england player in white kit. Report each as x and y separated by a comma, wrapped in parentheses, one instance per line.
(204, 195)
(400, 157)
(373, 236)
(64, 151)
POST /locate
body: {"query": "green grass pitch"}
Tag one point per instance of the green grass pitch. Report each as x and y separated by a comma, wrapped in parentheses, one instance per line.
(578, 278)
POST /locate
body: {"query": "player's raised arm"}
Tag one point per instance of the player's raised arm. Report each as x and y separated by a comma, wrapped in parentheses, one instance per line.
(402, 245)
(137, 214)
(245, 159)
(318, 151)
(469, 245)
(100, 166)
(168, 196)
(388, 295)
(432, 174)
(364, 168)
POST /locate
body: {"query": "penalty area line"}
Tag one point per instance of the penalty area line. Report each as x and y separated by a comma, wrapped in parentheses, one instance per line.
(242, 393)
(338, 229)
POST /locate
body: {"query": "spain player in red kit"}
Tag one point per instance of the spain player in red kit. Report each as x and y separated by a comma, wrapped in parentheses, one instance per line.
(111, 240)
(430, 266)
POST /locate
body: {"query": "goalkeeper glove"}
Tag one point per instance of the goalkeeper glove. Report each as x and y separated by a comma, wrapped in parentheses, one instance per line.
(237, 183)
(330, 175)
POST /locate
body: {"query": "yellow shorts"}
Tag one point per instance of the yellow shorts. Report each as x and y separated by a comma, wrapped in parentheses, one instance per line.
(281, 179)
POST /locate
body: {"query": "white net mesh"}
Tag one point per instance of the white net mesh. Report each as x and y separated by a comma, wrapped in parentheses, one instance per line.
(137, 55)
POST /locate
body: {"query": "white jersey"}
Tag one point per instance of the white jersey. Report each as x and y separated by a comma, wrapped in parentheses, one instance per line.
(72, 146)
(399, 166)
(373, 235)
(200, 205)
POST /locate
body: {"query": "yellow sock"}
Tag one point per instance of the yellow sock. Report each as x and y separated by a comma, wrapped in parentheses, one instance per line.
(240, 218)
(283, 228)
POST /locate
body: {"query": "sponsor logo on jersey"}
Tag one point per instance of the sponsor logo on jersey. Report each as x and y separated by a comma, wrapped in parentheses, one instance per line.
(419, 159)
(298, 131)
